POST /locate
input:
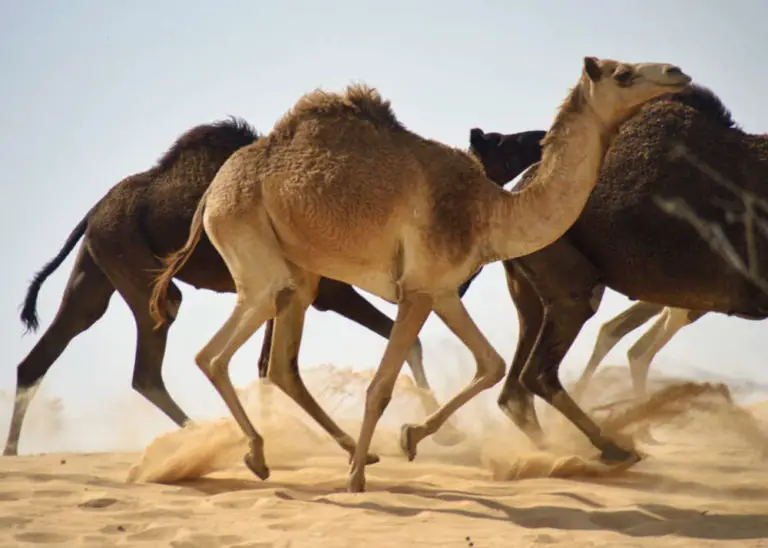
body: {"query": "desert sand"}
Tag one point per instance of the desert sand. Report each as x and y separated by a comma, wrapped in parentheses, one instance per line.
(704, 482)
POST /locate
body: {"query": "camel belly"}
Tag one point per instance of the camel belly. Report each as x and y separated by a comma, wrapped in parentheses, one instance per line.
(363, 259)
(381, 260)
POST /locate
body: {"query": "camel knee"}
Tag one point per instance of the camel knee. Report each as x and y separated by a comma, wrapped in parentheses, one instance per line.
(529, 380)
(540, 382)
(606, 337)
(637, 355)
(213, 367)
(491, 370)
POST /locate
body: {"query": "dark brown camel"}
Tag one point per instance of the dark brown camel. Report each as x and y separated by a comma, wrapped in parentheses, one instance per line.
(627, 241)
(145, 216)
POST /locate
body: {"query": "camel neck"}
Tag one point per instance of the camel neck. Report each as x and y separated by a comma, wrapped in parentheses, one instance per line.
(526, 220)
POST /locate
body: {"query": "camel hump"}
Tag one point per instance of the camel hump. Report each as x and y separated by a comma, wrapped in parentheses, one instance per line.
(359, 101)
(229, 134)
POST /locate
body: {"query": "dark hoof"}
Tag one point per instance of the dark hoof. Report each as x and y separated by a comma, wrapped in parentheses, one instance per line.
(257, 467)
(613, 454)
(10, 452)
(448, 436)
(407, 441)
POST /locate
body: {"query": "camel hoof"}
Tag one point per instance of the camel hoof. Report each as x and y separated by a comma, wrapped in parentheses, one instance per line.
(10, 452)
(258, 467)
(448, 436)
(407, 442)
(613, 454)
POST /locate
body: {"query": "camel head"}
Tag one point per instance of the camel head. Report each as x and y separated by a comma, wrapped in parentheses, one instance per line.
(615, 90)
(505, 156)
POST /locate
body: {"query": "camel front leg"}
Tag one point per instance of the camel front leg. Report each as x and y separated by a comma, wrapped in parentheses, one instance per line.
(344, 300)
(490, 370)
(515, 400)
(412, 312)
(563, 319)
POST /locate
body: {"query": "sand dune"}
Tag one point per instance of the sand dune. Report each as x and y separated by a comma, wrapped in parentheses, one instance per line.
(705, 483)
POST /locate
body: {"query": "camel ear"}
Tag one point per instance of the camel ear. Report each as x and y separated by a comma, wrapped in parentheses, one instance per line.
(592, 68)
(477, 138)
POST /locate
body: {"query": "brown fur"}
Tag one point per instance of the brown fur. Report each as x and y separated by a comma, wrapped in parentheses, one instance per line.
(360, 102)
(623, 240)
(145, 216)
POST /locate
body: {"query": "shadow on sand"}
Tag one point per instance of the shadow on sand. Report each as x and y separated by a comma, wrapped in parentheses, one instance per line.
(644, 520)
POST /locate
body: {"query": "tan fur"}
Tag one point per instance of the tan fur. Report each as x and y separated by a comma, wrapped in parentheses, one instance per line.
(341, 189)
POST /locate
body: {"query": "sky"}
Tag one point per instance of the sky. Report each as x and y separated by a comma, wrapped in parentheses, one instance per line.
(92, 92)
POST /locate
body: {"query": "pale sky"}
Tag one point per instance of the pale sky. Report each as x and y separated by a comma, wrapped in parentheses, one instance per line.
(94, 91)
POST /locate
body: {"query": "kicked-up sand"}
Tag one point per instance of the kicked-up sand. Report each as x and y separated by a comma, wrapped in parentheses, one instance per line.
(703, 481)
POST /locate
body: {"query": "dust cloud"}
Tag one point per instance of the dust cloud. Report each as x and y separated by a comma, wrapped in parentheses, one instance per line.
(680, 406)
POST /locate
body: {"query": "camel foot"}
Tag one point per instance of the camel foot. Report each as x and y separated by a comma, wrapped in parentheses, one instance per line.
(410, 436)
(10, 452)
(257, 466)
(448, 436)
(613, 454)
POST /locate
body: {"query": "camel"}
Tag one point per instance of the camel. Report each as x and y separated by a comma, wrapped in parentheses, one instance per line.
(641, 354)
(147, 214)
(341, 188)
(655, 229)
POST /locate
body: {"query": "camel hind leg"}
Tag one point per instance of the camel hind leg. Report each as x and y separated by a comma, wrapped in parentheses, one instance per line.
(283, 368)
(132, 277)
(611, 332)
(265, 286)
(85, 300)
(651, 342)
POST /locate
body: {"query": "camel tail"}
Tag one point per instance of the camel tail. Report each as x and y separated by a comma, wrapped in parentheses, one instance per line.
(29, 308)
(173, 263)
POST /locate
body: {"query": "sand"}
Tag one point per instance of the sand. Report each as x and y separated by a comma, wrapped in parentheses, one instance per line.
(703, 483)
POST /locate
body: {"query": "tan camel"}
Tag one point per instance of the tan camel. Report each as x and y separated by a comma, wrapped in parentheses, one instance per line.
(340, 188)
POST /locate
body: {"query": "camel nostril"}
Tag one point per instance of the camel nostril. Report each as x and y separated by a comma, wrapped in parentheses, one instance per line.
(673, 71)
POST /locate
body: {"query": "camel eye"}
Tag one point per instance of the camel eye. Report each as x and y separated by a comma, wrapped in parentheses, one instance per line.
(623, 77)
